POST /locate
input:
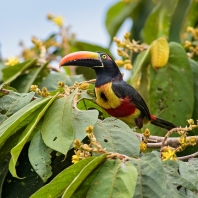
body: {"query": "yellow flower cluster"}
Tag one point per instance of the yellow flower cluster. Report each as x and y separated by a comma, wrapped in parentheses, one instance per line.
(168, 154)
(146, 135)
(58, 20)
(12, 61)
(43, 93)
(126, 48)
(83, 151)
(192, 46)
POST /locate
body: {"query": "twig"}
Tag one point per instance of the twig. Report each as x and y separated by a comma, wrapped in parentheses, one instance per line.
(156, 141)
(75, 102)
(188, 156)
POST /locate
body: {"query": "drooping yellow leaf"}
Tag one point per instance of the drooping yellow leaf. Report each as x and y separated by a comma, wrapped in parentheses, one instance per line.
(159, 53)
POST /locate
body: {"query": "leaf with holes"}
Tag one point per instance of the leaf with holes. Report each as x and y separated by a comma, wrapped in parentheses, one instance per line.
(13, 102)
(151, 178)
(40, 158)
(15, 151)
(116, 136)
(57, 131)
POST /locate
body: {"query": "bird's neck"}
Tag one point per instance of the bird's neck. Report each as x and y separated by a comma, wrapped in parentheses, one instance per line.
(102, 78)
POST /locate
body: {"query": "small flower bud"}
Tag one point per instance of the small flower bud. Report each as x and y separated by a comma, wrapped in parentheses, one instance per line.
(192, 141)
(44, 89)
(146, 133)
(119, 63)
(142, 146)
(127, 35)
(190, 121)
(128, 66)
(89, 129)
(84, 86)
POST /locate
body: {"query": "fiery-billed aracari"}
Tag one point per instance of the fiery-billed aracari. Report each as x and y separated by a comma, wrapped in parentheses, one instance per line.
(113, 94)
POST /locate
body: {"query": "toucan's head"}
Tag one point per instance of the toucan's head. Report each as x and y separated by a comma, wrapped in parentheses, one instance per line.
(104, 66)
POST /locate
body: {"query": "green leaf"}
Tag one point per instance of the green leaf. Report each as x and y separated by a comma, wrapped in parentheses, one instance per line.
(171, 169)
(182, 10)
(68, 176)
(84, 187)
(19, 119)
(114, 179)
(116, 136)
(15, 152)
(142, 60)
(40, 158)
(57, 131)
(151, 178)
(167, 101)
(117, 14)
(81, 120)
(159, 20)
(83, 175)
(11, 73)
(23, 82)
(12, 102)
(188, 171)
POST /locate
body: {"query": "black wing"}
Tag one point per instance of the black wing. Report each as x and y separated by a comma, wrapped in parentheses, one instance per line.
(122, 89)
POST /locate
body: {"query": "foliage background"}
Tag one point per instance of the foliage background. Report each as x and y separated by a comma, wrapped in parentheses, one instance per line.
(35, 142)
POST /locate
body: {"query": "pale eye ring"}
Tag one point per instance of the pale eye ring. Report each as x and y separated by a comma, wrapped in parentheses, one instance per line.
(104, 56)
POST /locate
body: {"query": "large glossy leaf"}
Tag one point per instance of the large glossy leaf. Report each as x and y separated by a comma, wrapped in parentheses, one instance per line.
(169, 87)
(19, 119)
(12, 102)
(151, 179)
(40, 158)
(11, 73)
(116, 136)
(159, 20)
(68, 178)
(115, 179)
(57, 131)
(117, 14)
(15, 152)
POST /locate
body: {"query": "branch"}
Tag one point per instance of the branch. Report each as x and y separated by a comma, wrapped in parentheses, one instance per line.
(157, 141)
(188, 156)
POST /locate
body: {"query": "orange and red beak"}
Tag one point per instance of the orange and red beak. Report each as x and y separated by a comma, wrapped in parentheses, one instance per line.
(82, 58)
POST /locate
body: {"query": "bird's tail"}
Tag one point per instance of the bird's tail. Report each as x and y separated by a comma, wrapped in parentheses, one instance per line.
(162, 123)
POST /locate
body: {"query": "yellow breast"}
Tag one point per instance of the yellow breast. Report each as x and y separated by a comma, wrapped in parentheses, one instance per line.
(105, 97)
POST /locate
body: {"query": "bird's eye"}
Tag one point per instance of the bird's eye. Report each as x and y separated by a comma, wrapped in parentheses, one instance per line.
(104, 56)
